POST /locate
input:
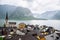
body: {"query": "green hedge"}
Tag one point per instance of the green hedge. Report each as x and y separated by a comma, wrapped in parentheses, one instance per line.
(1, 38)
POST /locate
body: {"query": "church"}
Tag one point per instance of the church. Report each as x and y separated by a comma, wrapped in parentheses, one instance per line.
(7, 23)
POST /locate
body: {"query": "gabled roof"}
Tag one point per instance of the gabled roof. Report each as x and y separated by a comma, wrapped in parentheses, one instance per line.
(12, 22)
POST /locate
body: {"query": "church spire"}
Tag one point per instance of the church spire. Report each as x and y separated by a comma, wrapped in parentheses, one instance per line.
(6, 20)
(6, 16)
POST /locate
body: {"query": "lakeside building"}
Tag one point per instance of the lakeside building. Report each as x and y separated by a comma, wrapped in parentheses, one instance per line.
(9, 24)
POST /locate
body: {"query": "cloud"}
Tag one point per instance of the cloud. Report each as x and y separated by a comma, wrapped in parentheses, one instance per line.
(15, 2)
(29, 0)
(36, 6)
(44, 5)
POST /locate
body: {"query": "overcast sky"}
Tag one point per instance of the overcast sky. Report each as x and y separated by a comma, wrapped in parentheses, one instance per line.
(36, 6)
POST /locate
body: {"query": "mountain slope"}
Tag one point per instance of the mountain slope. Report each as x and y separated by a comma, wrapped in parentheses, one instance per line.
(14, 12)
(51, 15)
(57, 16)
(17, 13)
(21, 13)
(4, 9)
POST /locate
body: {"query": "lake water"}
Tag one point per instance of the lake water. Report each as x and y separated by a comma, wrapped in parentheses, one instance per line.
(53, 23)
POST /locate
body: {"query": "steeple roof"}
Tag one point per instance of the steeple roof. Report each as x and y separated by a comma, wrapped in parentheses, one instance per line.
(6, 16)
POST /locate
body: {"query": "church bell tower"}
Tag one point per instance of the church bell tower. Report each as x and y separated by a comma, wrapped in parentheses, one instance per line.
(6, 20)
